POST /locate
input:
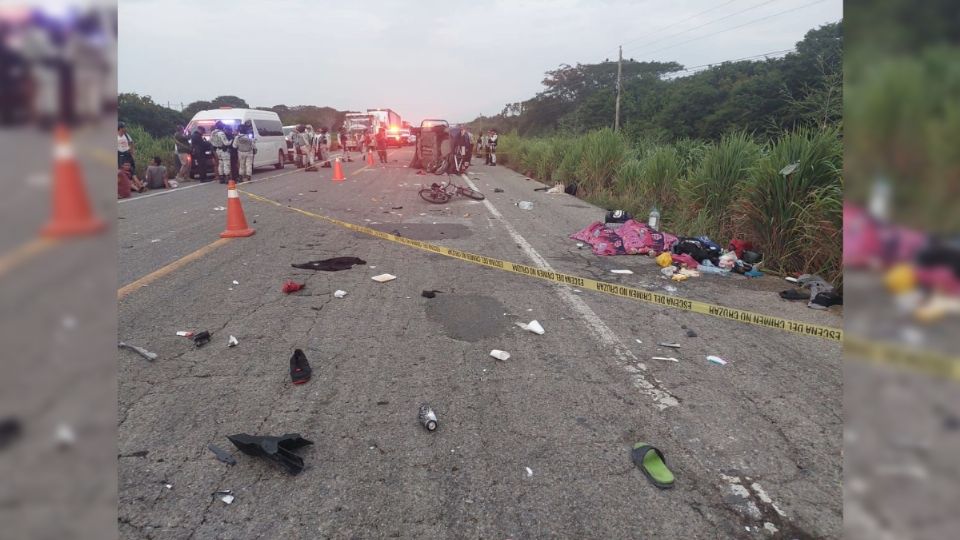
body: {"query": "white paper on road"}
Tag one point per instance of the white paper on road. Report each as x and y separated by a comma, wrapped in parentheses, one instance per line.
(622, 271)
(532, 326)
(383, 278)
(500, 355)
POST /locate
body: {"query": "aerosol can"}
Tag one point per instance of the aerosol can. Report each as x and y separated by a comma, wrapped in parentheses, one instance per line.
(428, 418)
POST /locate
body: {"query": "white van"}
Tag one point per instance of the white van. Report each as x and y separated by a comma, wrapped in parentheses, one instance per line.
(267, 129)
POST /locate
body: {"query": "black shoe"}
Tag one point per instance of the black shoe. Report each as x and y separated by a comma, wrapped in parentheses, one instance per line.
(277, 449)
(299, 367)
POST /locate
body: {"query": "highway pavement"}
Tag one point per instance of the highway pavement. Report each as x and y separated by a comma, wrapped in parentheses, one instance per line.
(531, 447)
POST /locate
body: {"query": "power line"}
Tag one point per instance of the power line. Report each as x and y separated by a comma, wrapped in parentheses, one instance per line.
(738, 26)
(708, 23)
(662, 28)
(703, 67)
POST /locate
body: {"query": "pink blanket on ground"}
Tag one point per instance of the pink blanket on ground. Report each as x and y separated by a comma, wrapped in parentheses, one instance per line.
(631, 238)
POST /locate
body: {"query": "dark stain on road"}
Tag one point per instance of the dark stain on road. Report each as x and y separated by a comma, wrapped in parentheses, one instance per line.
(468, 317)
(425, 231)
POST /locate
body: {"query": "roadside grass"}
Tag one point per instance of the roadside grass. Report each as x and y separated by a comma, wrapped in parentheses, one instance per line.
(148, 147)
(729, 189)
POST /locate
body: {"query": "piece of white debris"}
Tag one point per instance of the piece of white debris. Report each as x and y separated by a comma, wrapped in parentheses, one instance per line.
(155, 240)
(578, 291)
(622, 271)
(532, 326)
(383, 278)
(235, 282)
(667, 358)
(339, 294)
(65, 435)
(168, 486)
(232, 341)
(638, 341)
(227, 498)
(529, 472)
(717, 360)
(500, 355)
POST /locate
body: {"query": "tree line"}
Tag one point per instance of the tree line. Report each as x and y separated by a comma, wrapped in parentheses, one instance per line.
(160, 121)
(661, 102)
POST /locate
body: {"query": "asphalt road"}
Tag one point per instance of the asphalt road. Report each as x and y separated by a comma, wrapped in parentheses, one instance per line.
(755, 444)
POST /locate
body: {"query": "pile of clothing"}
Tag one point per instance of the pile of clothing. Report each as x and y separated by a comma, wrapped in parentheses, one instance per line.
(628, 238)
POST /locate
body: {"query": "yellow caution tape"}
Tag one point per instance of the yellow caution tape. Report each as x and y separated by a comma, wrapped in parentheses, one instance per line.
(749, 317)
(931, 363)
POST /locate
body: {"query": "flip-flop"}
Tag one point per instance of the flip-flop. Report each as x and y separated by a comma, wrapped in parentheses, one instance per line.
(651, 462)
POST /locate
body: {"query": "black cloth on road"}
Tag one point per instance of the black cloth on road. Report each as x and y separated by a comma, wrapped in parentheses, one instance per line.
(330, 265)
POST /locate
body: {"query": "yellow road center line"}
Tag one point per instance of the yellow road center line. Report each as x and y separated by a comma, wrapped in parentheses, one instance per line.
(175, 265)
(25, 252)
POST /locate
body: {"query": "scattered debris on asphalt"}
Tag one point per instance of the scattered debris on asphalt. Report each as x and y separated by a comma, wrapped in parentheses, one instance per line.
(532, 326)
(151, 356)
(300, 370)
(292, 286)
(579, 245)
(10, 430)
(427, 417)
(525, 205)
(497, 190)
(222, 454)
(201, 338)
(717, 360)
(638, 341)
(653, 464)
(500, 355)
(622, 271)
(167, 485)
(670, 288)
(335, 264)
(235, 282)
(430, 294)
(691, 333)
(396, 208)
(219, 208)
(277, 449)
(184, 333)
(666, 358)
(671, 345)
(339, 294)
(225, 495)
(383, 278)
(529, 472)
(232, 341)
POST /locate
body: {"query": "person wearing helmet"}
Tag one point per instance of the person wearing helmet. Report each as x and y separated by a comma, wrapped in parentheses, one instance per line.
(246, 147)
(221, 144)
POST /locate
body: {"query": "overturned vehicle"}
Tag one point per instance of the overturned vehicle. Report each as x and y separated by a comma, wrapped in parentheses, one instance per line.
(441, 148)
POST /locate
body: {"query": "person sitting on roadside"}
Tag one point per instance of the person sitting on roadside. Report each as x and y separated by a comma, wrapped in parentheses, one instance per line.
(126, 182)
(157, 175)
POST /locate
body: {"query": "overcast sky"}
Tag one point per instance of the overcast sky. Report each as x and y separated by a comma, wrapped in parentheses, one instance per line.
(425, 58)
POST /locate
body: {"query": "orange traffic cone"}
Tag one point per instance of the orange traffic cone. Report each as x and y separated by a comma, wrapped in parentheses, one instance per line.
(338, 171)
(72, 215)
(370, 157)
(236, 221)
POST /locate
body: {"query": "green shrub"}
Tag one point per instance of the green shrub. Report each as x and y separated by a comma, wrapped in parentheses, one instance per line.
(661, 175)
(148, 147)
(785, 213)
(707, 194)
(603, 152)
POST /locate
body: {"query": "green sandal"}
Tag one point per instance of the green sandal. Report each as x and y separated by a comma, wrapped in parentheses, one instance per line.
(651, 462)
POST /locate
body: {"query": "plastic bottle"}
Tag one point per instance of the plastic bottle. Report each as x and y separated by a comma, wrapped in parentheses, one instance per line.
(653, 221)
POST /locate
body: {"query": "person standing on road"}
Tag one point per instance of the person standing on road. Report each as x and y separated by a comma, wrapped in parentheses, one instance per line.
(198, 147)
(492, 148)
(308, 140)
(182, 145)
(234, 157)
(157, 175)
(381, 141)
(319, 144)
(222, 147)
(343, 144)
(246, 147)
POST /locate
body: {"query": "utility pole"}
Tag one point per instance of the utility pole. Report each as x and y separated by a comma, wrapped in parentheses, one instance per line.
(616, 119)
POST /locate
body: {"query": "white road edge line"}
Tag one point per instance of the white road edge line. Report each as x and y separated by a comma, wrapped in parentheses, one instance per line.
(211, 182)
(600, 329)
